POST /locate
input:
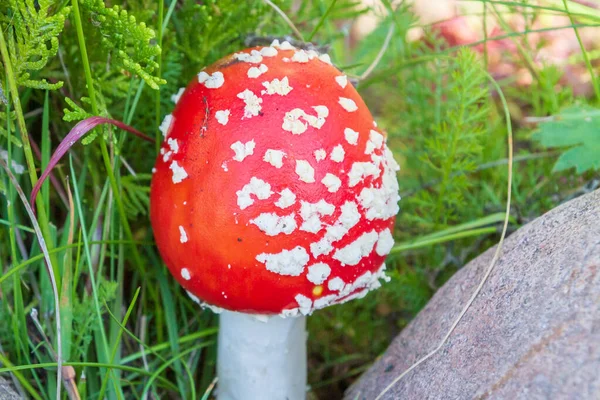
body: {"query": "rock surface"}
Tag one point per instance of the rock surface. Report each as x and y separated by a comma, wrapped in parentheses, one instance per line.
(532, 333)
(6, 390)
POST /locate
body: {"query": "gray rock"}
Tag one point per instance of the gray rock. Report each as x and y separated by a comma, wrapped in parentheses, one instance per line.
(6, 390)
(533, 332)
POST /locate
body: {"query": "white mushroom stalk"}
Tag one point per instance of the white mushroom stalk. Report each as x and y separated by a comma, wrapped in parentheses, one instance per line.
(261, 358)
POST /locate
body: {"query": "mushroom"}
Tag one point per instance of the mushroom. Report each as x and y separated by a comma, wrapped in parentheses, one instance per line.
(274, 195)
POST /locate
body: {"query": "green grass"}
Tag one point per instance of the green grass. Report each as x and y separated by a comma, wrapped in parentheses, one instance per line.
(127, 329)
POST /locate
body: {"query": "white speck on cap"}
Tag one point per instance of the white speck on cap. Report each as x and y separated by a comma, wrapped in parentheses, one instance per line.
(185, 274)
(348, 291)
(166, 155)
(268, 51)
(332, 182)
(252, 101)
(213, 81)
(320, 155)
(165, 125)
(254, 57)
(292, 122)
(311, 215)
(281, 87)
(274, 157)
(336, 284)
(243, 150)
(318, 273)
(351, 136)
(384, 243)
(194, 298)
(337, 154)
(287, 199)
(255, 72)
(375, 141)
(352, 253)
(179, 173)
(175, 98)
(183, 238)
(342, 80)
(348, 104)
(325, 58)
(304, 304)
(323, 246)
(173, 145)
(305, 171)
(324, 301)
(272, 224)
(256, 187)
(346, 221)
(285, 45)
(300, 56)
(382, 202)
(215, 309)
(322, 113)
(361, 170)
(287, 262)
(222, 116)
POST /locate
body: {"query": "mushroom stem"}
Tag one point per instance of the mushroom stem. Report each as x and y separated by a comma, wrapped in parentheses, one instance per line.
(261, 357)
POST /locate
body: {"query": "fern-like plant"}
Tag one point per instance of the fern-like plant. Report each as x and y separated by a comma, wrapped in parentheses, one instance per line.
(31, 29)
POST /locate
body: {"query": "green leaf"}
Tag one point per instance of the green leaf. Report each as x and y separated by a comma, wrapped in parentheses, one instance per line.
(32, 33)
(131, 44)
(576, 126)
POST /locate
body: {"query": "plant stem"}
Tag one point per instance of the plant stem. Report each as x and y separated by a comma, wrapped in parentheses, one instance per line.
(14, 92)
(161, 10)
(588, 64)
(103, 148)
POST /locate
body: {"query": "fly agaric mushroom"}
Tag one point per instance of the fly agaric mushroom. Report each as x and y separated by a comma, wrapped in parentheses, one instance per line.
(274, 195)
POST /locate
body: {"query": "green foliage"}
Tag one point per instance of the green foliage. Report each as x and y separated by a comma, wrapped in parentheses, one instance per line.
(457, 139)
(546, 95)
(578, 127)
(402, 20)
(32, 30)
(84, 320)
(207, 30)
(7, 124)
(75, 113)
(443, 125)
(136, 192)
(450, 135)
(131, 44)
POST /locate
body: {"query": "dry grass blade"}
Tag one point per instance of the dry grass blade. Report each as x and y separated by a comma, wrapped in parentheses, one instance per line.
(286, 19)
(382, 51)
(44, 249)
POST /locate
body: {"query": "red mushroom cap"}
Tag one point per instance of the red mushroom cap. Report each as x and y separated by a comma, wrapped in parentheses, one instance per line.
(274, 191)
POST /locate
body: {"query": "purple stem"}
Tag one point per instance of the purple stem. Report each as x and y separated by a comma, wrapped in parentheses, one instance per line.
(72, 137)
